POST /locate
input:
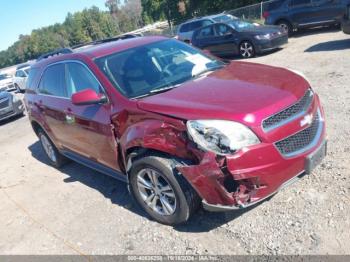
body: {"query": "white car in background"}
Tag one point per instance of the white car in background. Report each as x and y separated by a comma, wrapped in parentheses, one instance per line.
(6, 82)
(20, 79)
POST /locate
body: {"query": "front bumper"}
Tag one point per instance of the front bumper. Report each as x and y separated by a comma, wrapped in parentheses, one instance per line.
(268, 45)
(13, 109)
(252, 175)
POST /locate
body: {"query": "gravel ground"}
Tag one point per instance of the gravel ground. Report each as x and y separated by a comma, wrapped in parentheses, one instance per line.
(79, 211)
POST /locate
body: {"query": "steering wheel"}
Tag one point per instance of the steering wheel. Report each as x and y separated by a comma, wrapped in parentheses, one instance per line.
(170, 69)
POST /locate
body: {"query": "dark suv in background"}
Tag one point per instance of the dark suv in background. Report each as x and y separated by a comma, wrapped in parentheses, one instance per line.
(346, 21)
(295, 14)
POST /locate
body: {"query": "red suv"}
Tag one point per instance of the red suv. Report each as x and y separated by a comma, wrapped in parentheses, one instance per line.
(181, 127)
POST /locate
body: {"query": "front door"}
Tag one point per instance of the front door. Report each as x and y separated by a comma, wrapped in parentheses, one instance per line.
(88, 128)
(328, 11)
(226, 40)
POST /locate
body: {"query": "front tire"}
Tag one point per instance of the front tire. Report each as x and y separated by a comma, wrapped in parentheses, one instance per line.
(161, 191)
(246, 49)
(56, 159)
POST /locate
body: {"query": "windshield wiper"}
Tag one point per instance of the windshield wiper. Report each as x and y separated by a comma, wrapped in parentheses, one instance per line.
(207, 70)
(157, 91)
(161, 90)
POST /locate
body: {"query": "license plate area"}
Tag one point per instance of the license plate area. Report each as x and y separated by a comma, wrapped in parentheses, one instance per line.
(314, 159)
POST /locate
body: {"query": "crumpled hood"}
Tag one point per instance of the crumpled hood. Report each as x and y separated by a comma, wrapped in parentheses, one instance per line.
(242, 92)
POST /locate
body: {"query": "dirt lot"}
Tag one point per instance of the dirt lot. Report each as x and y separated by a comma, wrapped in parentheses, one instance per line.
(79, 211)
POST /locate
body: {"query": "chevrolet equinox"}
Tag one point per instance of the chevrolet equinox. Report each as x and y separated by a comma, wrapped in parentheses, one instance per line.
(180, 127)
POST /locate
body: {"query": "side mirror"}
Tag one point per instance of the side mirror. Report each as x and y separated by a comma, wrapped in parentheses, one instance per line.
(88, 97)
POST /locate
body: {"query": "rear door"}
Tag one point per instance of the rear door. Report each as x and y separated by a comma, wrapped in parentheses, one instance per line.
(51, 101)
(204, 38)
(88, 129)
(302, 12)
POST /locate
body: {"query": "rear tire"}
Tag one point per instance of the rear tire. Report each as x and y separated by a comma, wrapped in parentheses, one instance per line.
(286, 26)
(55, 158)
(161, 191)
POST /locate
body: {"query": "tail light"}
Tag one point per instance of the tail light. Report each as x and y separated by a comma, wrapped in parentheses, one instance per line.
(266, 14)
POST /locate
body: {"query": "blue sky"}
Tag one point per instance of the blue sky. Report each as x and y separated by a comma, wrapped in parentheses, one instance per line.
(22, 16)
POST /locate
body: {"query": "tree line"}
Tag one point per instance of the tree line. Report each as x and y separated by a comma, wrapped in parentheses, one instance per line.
(123, 16)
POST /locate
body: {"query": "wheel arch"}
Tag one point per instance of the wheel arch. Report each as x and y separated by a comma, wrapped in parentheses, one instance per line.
(285, 19)
(154, 137)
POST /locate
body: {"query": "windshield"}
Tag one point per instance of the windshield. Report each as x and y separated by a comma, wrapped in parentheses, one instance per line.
(240, 25)
(156, 67)
(223, 18)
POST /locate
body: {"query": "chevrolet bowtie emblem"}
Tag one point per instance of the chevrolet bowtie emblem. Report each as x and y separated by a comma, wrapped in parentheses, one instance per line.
(307, 120)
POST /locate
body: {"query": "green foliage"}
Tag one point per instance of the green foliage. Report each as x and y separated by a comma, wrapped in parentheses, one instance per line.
(154, 10)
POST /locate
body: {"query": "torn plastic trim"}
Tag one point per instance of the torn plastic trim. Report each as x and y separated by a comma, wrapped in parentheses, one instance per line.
(208, 177)
(222, 208)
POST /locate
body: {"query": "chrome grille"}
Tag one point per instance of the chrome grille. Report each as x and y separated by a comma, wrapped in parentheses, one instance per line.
(4, 103)
(302, 141)
(290, 113)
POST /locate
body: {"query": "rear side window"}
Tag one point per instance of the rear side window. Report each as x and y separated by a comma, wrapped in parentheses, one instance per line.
(53, 81)
(185, 28)
(206, 32)
(33, 73)
(300, 2)
(79, 78)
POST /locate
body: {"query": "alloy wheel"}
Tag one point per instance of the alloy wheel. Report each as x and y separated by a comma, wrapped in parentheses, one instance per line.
(246, 50)
(156, 192)
(49, 150)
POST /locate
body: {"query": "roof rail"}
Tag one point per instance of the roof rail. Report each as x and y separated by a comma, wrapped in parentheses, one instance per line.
(107, 40)
(56, 52)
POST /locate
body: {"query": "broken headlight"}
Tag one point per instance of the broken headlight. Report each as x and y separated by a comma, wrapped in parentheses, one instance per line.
(220, 136)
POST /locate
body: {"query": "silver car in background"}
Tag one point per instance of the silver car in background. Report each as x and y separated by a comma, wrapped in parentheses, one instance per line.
(186, 29)
(10, 105)
(6, 82)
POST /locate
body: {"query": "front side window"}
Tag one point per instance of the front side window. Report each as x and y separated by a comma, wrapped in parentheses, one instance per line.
(79, 78)
(21, 74)
(53, 81)
(222, 29)
(156, 67)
